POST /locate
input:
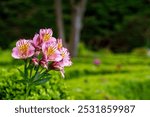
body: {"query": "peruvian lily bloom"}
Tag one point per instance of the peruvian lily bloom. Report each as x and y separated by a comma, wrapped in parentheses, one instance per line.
(37, 41)
(46, 35)
(65, 57)
(23, 49)
(51, 52)
(59, 66)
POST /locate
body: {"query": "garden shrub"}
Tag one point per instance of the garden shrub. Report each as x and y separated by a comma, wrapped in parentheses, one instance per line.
(12, 88)
(140, 51)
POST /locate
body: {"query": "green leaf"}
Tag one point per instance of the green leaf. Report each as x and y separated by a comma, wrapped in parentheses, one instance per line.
(39, 76)
(36, 77)
(21, 72)
(21, 81)
(41, 81)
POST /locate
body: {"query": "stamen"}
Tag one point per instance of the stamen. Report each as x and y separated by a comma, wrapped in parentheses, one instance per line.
(51, 50)
(23, 48)
(63, 54)
(46, 37)
(59, 45)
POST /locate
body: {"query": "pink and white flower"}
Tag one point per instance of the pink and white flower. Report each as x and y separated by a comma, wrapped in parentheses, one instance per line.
(65, 57)
(23, 49)
(46, 35)
(37, 41)
(44, 50)
(51, 52)
(59, 66)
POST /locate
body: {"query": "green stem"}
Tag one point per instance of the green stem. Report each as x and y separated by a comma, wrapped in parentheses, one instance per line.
(31, 71)
(27, 90)
(25, 66)
(25, 70)
(26, 78)
(30, 66)
(41, 70)
(37, 69)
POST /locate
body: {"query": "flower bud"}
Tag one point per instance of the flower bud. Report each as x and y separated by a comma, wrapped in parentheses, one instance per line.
(35, 61)
(44, 64)
(56, 66)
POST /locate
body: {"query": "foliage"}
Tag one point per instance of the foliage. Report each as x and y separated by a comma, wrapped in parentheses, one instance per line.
(118, 25)
(21, 18)
(119, 76)
(40, 55)
(140, 51)
(12, 88)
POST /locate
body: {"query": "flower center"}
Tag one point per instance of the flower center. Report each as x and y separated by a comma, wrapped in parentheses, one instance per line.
(63, 54)
(51, 50)
(59, 45)
(23, 48)
(46, 37)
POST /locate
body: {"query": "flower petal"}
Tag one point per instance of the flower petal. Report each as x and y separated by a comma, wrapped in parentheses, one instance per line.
(15, 53)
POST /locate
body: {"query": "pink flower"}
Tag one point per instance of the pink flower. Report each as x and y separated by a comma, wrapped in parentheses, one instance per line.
(46, 35)
(51, 52)
(65, 58)
(59, 66)
(97, 61)
(37, 41)
(23, 49)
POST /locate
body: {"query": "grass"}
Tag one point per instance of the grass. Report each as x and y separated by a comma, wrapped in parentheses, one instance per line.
(119, 76)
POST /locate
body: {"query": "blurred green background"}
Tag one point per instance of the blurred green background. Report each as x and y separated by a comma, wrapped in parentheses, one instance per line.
(112, 59)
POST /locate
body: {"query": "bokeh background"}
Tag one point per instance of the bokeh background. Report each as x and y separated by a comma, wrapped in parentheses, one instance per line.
(109, 42)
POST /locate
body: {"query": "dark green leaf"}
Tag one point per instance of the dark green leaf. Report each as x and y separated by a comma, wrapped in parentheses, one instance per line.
(41, 81)
(21, 81)
(21, 73)
(39, 76)
(36, 77)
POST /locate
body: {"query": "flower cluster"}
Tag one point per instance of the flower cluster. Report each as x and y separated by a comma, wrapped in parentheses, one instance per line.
(43, 50)
(40, 54)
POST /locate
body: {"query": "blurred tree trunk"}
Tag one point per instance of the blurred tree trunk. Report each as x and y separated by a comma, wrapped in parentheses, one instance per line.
(78, 9)
(59, 20)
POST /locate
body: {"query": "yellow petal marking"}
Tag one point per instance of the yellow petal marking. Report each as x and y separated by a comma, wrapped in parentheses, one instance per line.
(51, 50)
(23, 48)
(46, 37)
